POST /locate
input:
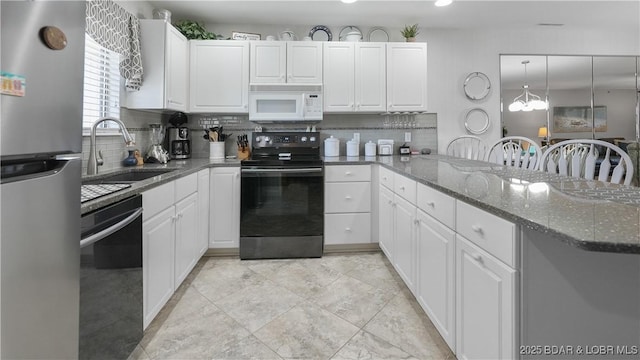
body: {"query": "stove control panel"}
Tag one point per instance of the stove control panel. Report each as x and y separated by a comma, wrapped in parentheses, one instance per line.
(286, 139)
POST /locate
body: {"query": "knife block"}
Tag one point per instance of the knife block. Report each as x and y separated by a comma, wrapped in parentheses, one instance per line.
(243, 153)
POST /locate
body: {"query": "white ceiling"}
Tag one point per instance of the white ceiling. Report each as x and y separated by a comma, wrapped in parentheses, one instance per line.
(462, 14)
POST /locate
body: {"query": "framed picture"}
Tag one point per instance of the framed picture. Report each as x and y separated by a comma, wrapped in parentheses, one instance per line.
(578, 119)
(235, 35)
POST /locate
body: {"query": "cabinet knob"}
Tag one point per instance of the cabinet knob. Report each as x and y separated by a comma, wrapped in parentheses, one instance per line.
(347, 229)
(416, 221)
(476, 257)
(347, 173)
(402, 188)
(390, 202)
(432, 204)
(348, 197)
(477, 229)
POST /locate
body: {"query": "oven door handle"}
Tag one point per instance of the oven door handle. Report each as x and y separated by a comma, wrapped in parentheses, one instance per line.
(111, 229)
(302, 170)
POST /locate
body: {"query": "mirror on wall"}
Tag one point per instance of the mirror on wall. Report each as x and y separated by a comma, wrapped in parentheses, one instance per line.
(569, 85)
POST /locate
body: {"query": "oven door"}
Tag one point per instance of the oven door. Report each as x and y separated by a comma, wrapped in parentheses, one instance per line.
(282, 212)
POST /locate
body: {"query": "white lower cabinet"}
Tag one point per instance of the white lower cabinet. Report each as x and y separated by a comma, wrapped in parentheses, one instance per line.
(186, 253)
(435, 288)
(485, 304)
(385, 221)
(157, 259)
(224, 207)
(170, 246)
(404, 253)
(203, 211)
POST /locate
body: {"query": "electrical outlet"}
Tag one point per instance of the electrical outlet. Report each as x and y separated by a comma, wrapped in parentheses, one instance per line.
(407, 137)
(356, 137)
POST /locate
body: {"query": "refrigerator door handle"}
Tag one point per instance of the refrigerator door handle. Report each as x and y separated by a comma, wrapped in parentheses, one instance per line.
(69, 157)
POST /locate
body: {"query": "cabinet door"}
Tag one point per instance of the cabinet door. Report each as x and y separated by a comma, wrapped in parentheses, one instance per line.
(186, 248)
(485, 304)
(435, 274)
(339, 76)
(203, 211)
(219, 76)
(304, 62)
(385, 222)
(407, 77)
(177, 70)
(268, 62)
(224, 211)
(370, 77)
(157, 262)
(404, 251)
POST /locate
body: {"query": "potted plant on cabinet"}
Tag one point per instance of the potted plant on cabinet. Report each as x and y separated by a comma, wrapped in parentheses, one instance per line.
(409, 32)
(193, 30)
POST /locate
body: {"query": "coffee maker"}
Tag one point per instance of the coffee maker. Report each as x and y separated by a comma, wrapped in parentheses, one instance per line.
(178, 139)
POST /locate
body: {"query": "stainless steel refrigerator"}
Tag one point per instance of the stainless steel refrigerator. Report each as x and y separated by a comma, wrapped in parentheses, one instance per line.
(41, 142)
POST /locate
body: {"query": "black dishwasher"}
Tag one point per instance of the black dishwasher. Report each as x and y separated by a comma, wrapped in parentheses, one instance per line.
(111, 312)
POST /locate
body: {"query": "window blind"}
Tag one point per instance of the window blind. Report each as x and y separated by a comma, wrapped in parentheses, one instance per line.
(101, 84)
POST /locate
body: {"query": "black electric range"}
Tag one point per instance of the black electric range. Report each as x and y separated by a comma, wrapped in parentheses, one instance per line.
(282, 197)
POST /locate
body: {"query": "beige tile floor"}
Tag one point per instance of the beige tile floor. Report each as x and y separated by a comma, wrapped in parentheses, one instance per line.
(351, 306)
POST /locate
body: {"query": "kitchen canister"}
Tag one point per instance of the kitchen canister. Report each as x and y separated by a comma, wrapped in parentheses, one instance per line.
(216, 150)
(353, 148)
(370, 148)
(331, 147)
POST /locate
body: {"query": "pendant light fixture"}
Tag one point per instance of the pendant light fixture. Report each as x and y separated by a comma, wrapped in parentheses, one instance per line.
(527, 101)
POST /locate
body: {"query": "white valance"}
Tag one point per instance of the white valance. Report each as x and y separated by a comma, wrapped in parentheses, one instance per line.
(116, 29)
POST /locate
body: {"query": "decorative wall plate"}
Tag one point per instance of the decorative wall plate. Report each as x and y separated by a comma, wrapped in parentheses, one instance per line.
(476, 121)
(476, 86)
(320, 33)
(378, 34)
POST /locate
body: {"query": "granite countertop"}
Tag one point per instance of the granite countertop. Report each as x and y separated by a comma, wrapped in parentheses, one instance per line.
(180, 168)
(590, 215)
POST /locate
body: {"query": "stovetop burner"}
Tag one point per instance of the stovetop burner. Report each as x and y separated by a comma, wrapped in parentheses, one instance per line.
(284, 149)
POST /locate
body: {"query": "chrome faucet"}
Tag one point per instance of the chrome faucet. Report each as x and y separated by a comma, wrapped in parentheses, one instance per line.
(94, 162)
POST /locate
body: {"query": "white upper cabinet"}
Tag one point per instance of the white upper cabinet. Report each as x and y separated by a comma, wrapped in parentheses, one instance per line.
(219, 76)
(268, 62)
(407, 77)
(339, 76)
(286, 62)
(354, 77)
(371, 80)
(165, 60)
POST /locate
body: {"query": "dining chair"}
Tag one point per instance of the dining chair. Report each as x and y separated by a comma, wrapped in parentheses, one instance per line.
(580, 158)
(515, 151)
(467, 147)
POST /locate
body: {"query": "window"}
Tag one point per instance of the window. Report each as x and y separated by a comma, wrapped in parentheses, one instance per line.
(101, 84)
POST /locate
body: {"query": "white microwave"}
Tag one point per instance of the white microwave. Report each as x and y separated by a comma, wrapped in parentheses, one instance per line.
(285, 102)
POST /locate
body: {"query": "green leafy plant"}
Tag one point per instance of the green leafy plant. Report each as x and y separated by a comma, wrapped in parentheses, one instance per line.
(410, 31)
(193, 30)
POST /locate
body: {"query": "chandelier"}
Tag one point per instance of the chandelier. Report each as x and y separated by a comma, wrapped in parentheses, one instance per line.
(527, 101)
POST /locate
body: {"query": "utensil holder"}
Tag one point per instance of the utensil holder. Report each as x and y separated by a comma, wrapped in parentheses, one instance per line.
(243, 153)
(216, 150)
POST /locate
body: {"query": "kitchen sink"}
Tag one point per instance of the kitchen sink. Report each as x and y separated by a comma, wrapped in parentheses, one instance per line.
(126, 177)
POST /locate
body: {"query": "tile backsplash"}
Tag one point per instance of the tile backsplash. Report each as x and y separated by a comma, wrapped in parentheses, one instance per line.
(370, 127)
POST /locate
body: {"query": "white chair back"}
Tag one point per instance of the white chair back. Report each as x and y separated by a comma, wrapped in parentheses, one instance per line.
(579, 158)
(467, 147)
(510, 151)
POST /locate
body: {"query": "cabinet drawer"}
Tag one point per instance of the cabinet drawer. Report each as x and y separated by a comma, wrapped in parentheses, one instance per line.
(347, 228)
(347, 197)
(404, 187)
(386, 177)
(442, 207)
(493, 234)
(343, 173)
(186, 186)
(157, 199)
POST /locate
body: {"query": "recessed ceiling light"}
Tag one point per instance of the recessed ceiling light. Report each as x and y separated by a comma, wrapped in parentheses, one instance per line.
(443, 2)
(348, 1)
